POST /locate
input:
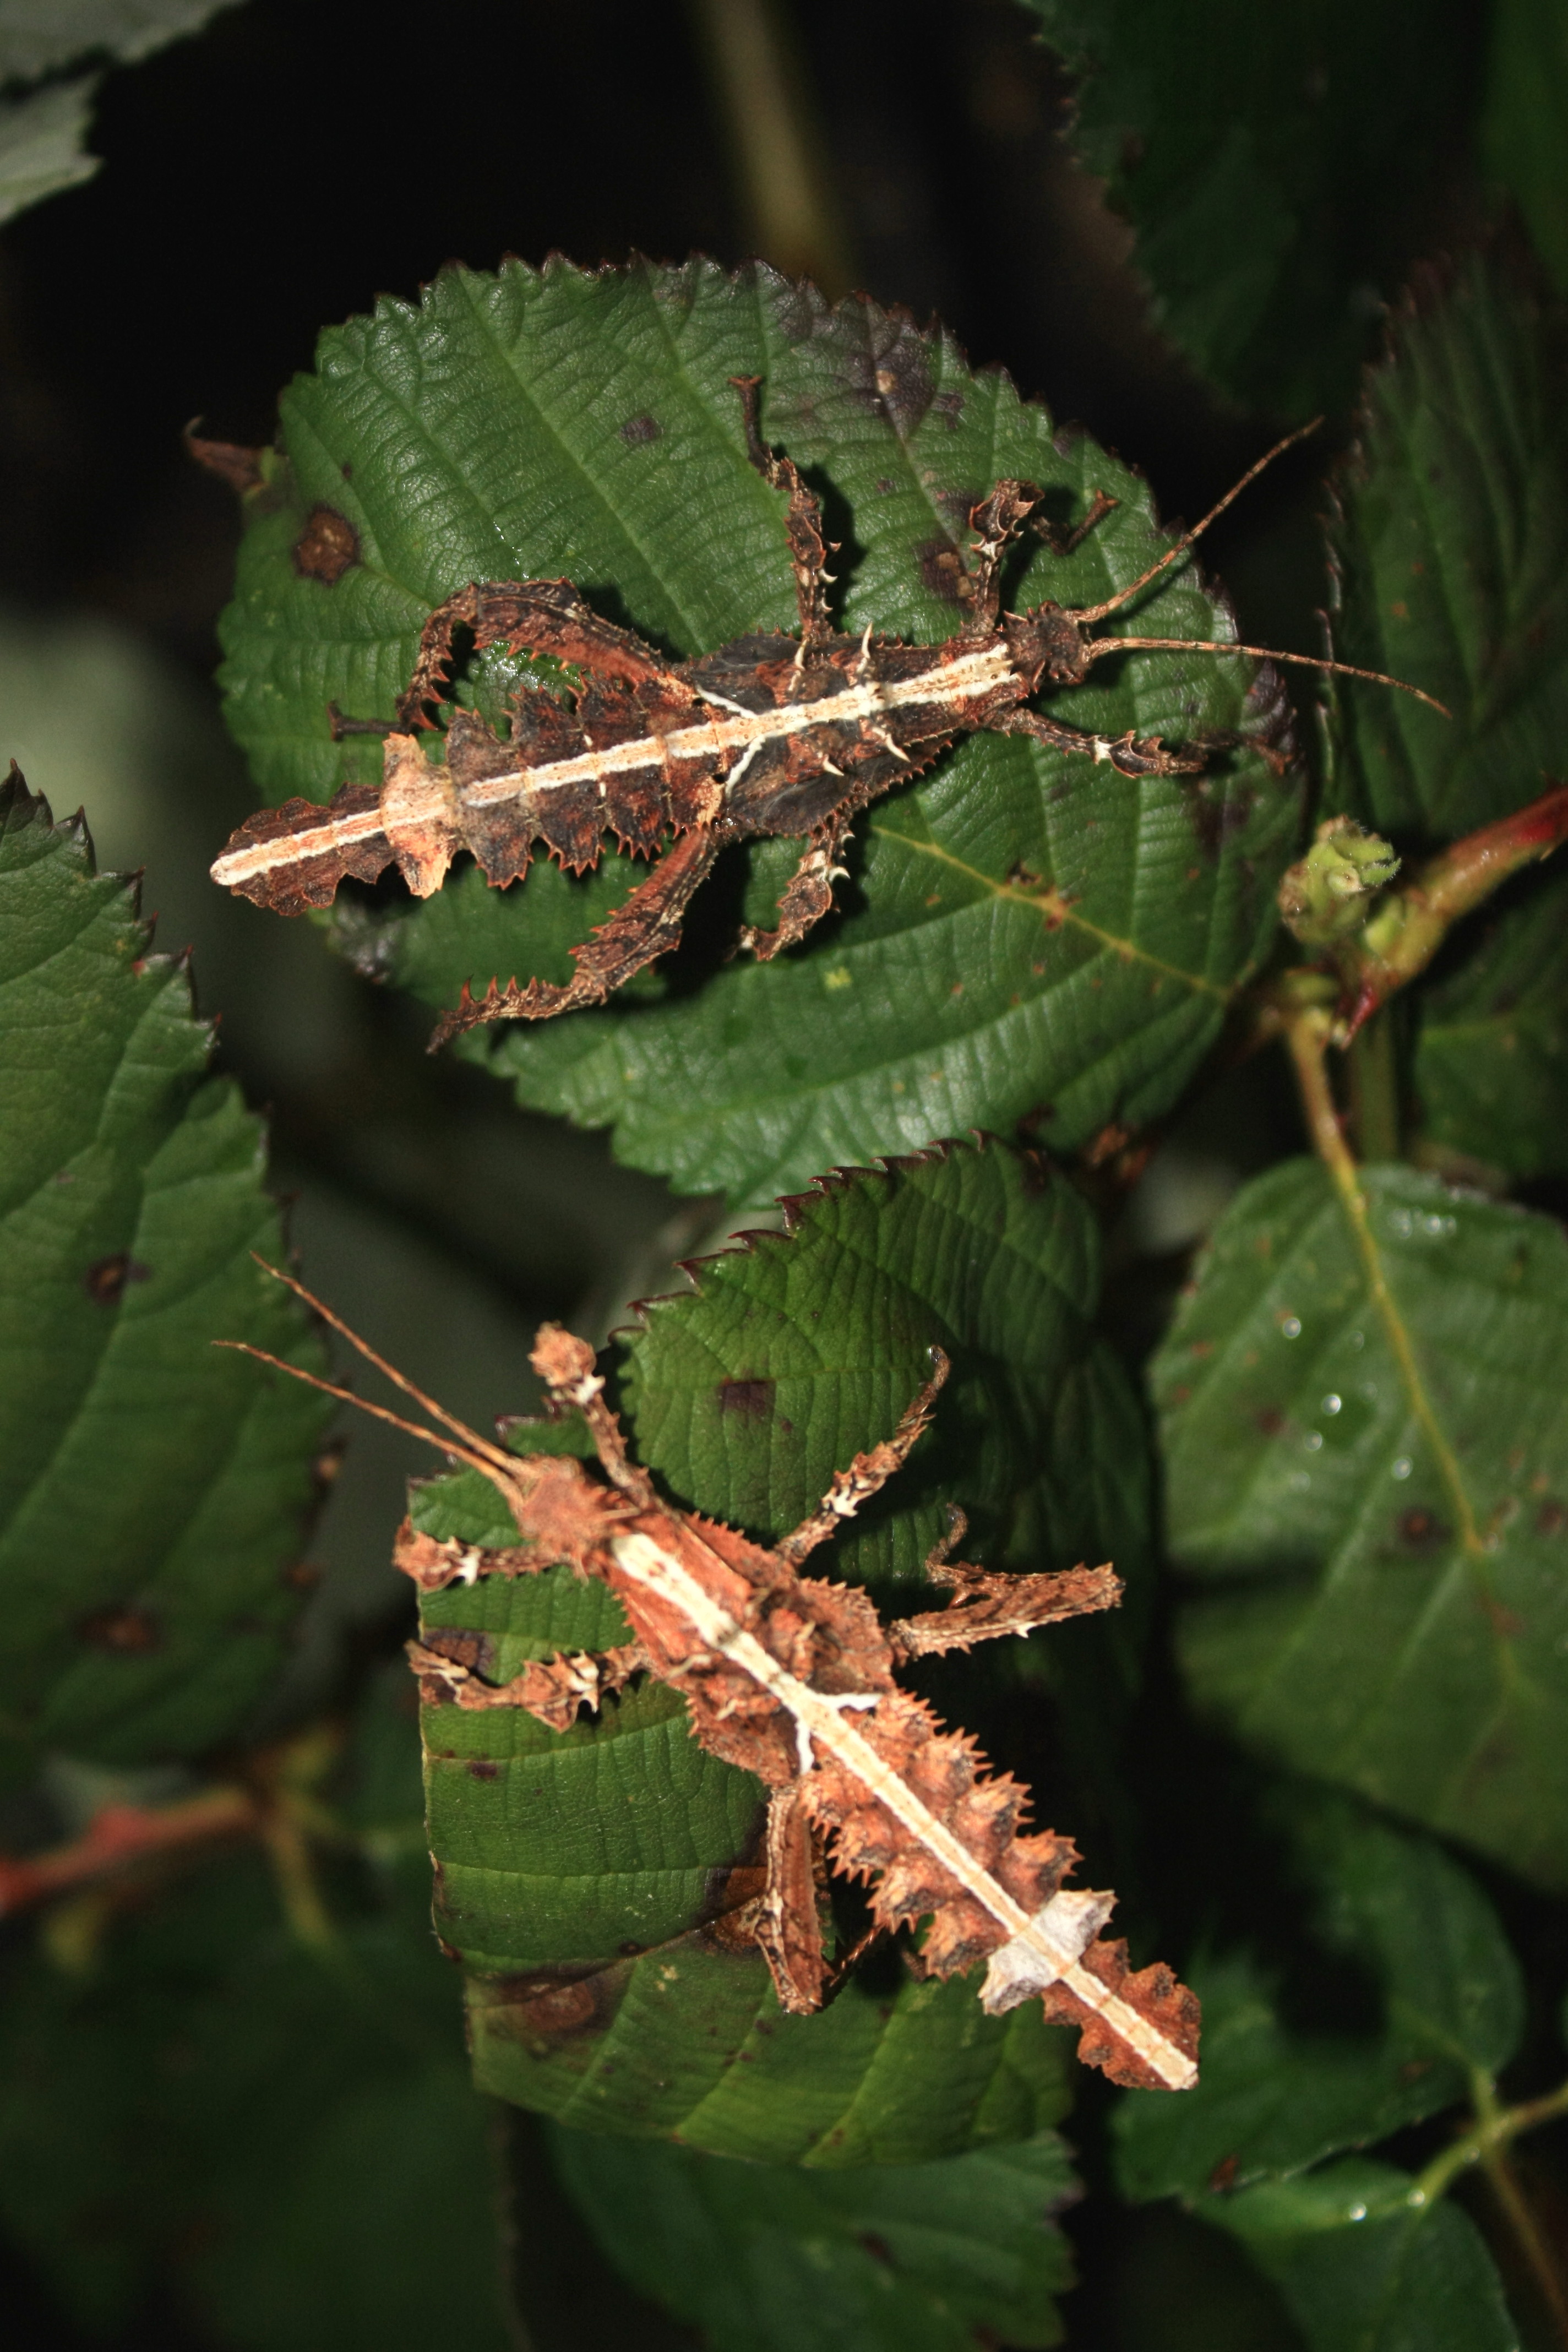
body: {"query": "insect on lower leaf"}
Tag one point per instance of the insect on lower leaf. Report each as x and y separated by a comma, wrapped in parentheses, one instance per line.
(793, 1678)
(769, 735)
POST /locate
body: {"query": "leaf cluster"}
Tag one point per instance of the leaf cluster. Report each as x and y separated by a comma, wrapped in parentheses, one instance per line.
(1321, 1745)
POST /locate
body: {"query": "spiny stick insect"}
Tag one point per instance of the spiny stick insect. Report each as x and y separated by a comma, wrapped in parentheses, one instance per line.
(791, 1677)
(769, 735)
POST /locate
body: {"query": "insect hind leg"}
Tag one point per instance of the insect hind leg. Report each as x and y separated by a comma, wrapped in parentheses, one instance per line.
(808, 549)
(646, 926)
(546, 616)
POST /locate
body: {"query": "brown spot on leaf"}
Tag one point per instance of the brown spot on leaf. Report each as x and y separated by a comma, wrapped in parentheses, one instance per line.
(1550, 1519)
(943, 571)
(327, 547)
(892, 373)
(106, 1279)
(465, 1646)
(747, 1399)
(640, 430)
(877, 2248)
(949, 406)
(1222, 2176)
(1215, 813)
(1422, 1530)
(124, 1632)
(545, 2012)
(480, 1768)
(1270, 1419)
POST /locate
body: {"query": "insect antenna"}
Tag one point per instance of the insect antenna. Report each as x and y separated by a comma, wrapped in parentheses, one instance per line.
(1099, 645)
(469, 1445)
(1124, 595)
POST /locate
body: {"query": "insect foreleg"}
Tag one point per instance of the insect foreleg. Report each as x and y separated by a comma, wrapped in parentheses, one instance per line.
(1128, 754)
(646, 927)
(868, 1472)
(995, 522)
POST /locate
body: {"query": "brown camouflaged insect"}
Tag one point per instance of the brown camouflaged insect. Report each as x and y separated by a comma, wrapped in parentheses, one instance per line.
(769, 735)
(793, 1677)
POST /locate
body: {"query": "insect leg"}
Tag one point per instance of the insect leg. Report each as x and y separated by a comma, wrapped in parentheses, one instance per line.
(552, 1689)
(547, 616)
(1128, 754)
(808, 898)
(995, 522)
(647, 925)
(787, 1929)
(867, 1473)
(808, 549)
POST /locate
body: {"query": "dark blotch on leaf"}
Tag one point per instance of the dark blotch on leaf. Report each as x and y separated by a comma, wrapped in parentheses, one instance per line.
(105, 1280)
(748, 1399)
(327, 547)
(942, 569)
(124, 1632)
(545, 2012)
(481, 1769)
(1422, 1530)
(638, 430)
(1550, 1519)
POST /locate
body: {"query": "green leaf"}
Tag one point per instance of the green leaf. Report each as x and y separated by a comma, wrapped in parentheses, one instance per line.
(43, 132)
(585, 1875)
(35, 41)
(904, 2258)
(282, 2143)
(1450, 550)
(151, 1490)
(1366, 1444)
(1280, 166)
(1525, 118)
(1274, 2096)
(1364, 2269)
(1021, 935)
(1491, 1054)
(750, 1390)
(43, 143)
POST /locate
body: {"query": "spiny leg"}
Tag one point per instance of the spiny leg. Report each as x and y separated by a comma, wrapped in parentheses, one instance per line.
(1129, 754)
(995, 522)
(868, 1472)
(808, 549)
(566, 1366)
(809, 895)
(645, 927)
(546, 616)
(551, 1689)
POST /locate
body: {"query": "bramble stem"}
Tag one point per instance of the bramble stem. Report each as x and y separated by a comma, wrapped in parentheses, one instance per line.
(1307, 1033)
(1374, 1090)
(1413, 922)
(1487, 2144)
